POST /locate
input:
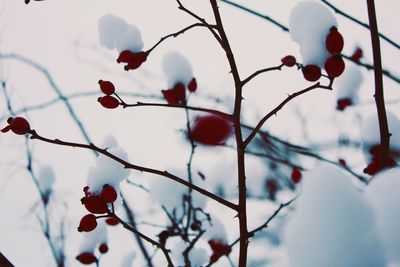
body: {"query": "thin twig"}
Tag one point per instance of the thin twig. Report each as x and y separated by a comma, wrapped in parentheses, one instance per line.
(175, 34)
(280, 106)
(127, 165)
(255, 74)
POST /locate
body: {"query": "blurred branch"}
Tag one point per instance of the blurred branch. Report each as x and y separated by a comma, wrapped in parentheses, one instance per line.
(131, 219)
(4, 262)
(248, 10)
(53, 85)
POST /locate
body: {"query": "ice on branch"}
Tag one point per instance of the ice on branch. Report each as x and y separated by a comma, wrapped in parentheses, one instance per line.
(45, 179)
(347, 86)
(106, 170)
(333, 224)
(309, 24)
(115, 32)
(383, 193)
(177, 69)
(171, 195)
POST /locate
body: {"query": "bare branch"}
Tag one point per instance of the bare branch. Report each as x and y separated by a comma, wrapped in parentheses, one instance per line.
(255, 74)
(92, 147)
(280, 106)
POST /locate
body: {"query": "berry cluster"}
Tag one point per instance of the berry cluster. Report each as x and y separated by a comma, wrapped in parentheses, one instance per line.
(132, 60)
(177, 94)
(334, 65)
(374, 166)
(96, 204)
(108, 101)
(89, 257)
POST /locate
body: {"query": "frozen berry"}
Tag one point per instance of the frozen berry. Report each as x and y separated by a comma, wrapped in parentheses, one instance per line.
(343, 103)
(334, 66)
(103, 248)
(296, 175)
(311, 73)
(108, 194)
(86, 258)
(88, 223)
(17, 125)
(289, 61)
(95, 204)
(107, 87)
(108, 101)
(111, 221)
(192, 86)
(211, 130)
(334, 41)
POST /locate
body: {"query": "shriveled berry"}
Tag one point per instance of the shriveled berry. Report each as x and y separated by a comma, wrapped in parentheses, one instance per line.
(289, 61)
(108, 101)
(343, 103)
(334, 66)
(95, 204)
(86, 258)
(296, 175)
(311, 73)
(334, 41)
(88, 223)
(219, 249)
(136, 60)
(111, 221)
(125, 56)
(107, 87)
(108, 194)
(342, 162)
(211, 130)
(17, 125)
(192, 86)
(175, 95)
(103, 248)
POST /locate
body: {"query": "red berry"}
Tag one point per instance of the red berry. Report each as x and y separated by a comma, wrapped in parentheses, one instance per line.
(311, 73)
(95, 204)
(289, 61)
(86, 258)
(17, 125)
(211, 130)
(334, 41)
(219, 247)
(192, 86)
(176, 95)
(272, 188)
(343, 103)
(125, 56)
(111, 221)
(103, 248)
(357, 55)
(108, 101)
(136, 60)
(88, 223)
(296, 175)
(169, 95)
(108, 194)
(334, 66)
(107, 87)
